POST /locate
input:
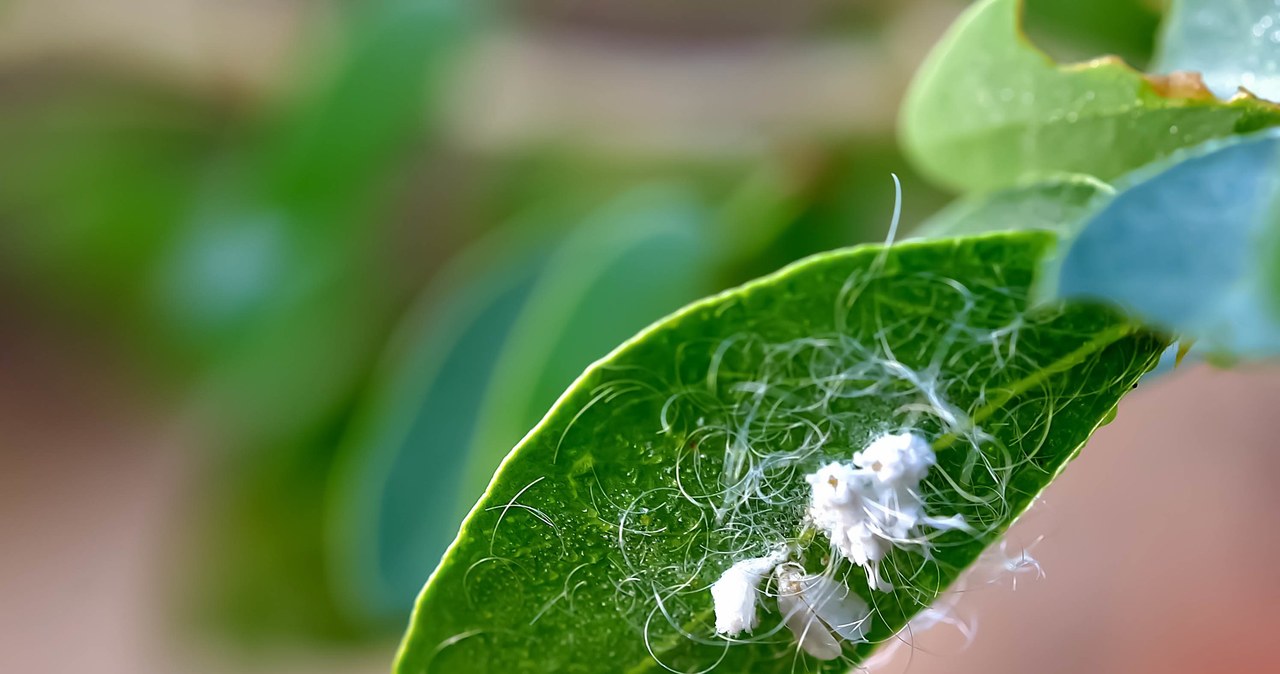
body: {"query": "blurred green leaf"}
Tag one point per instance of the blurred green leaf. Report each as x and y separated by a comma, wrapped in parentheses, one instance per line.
(337, 144)
(1231, 43)
(407, 448)
(640, 257)
(93, 176)
(594, 546)
(1190, 244)
(510, 326)
(988, 110)
(276, 283)
(1057, 205)
(272, 282)
(264, 582)
(245, 263)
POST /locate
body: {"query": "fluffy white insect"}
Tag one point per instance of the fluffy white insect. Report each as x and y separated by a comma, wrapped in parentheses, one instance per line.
(872, 504)
(817, 609)
(737, 591)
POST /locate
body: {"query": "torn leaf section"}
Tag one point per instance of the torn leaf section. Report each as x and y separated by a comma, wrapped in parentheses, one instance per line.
(1181, 84)
(988, 109)
(737, 592)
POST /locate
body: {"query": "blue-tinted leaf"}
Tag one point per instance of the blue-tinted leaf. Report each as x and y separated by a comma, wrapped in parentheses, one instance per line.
(1189, 244)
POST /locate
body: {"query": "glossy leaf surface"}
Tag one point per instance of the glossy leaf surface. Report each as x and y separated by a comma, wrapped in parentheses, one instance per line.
(685, 450)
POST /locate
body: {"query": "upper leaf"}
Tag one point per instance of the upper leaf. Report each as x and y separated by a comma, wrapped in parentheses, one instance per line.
(987, 109)
(685, 450)
(1192, 244)
(1231, 43)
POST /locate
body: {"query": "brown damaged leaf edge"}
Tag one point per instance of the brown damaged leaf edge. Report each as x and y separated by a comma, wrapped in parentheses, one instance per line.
(1179, 85)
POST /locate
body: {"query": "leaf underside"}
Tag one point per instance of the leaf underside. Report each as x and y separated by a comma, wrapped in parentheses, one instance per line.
(685, 450)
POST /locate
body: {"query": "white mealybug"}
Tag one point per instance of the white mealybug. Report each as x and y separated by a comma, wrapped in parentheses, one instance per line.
(736, 592)
(816, 609)
(872, 504)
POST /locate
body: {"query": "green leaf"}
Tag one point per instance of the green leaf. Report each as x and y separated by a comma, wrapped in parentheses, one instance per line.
(1057, 205)
(1191, 244)
(1231, 43)
(684, 451)
(988, 110)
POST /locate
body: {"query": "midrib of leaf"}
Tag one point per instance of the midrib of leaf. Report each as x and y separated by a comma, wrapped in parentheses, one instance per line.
(1096, 344)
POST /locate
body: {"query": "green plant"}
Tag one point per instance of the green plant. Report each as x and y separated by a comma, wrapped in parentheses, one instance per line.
(1111, 213)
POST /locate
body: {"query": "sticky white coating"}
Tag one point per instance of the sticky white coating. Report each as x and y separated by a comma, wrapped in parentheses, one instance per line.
(872, 504)
(736, 592)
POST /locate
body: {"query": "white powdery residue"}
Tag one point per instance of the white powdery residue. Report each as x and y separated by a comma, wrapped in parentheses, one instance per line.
(736, 592)
(872, 504)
